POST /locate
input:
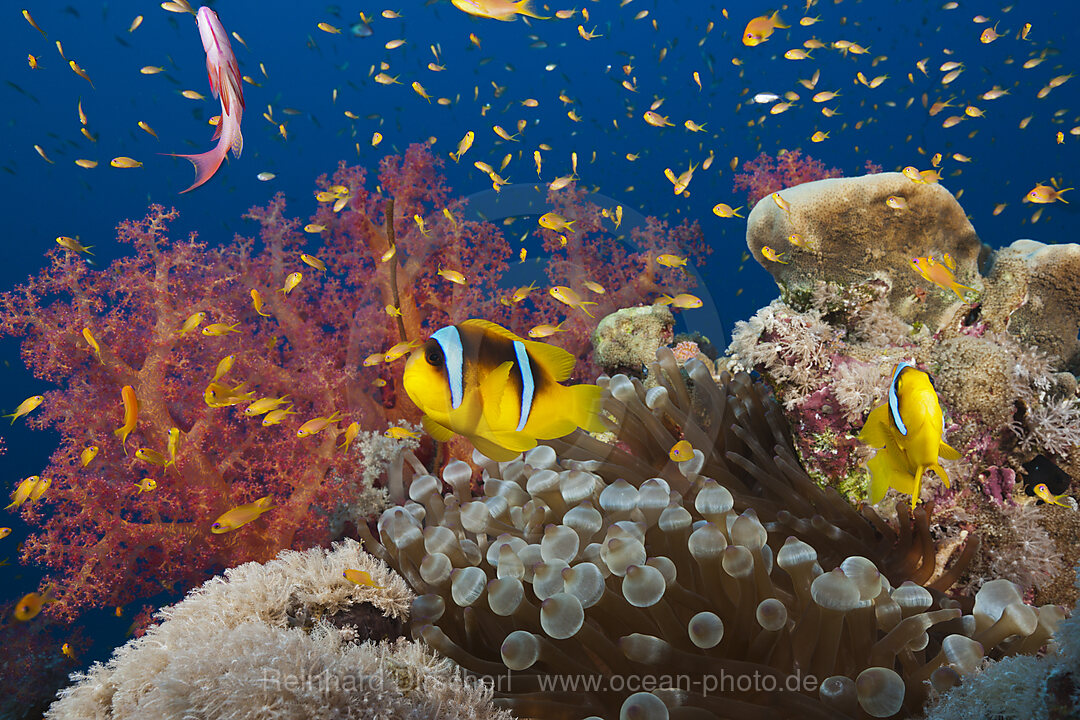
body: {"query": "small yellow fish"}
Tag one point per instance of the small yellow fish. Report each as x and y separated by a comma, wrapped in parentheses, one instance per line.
(1044, 494)
(22, 491)
(772, 255)
(29, 18)
(151, 69)
(223, 367)
(328, 28)
(39, 488)
(671, 261)
(463, 145)
(125, 162)
(781, 202)
(693, 126)
(569, 296)
(351, 432)
(147, 128)
(257, 302)
(314, 228)
(151, 456)
(4, 532)
(819, 136)
(316, 425)
(724, 210)
(681, 451)
(453, 276)
(543, 331)
(193, 321)
(376, 138)
(173, 445)
(192, 95)
(657, 120)
(73, 245)
(595, 287)
(360, 577)
(88, 454)
(896, 203)
(400, 433)
(686, 301)
(419, 90)
(86, 164)
(555, 222)
(761, 28)
(399, 350)
(66, 648)
(26, 406)
(312, 261)
(939, 274)
(30, 605)
(274, 417)
(146, 485)
(291, 282)
(264, 405)
(1044, 194)
(80, 72)
(420, 224)
(219, 329)
(93, 343)
(241, 515)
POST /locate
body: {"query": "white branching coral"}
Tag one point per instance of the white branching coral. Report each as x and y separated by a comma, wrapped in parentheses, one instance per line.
(792, 347)
(1050, 423)
(1031, 559)
(859, 387)
(266, 642)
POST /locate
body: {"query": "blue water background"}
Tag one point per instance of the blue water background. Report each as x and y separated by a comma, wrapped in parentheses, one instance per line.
(42, 201)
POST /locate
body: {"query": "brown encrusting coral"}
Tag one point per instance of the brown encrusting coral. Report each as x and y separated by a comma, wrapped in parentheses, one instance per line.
(585, 563)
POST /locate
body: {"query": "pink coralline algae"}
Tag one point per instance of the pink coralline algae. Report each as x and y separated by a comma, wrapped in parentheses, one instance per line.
(765, 175)
(102, 542)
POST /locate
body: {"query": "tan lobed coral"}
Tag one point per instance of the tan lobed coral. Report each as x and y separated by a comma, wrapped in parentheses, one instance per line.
(626, 340)
(585, 562)
(281, 640)
(851, 236)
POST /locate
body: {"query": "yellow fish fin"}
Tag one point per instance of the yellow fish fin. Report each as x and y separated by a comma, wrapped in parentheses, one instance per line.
(888, 469)
(435, 430)
(940, 473)
(948, 452)
(493, 450)
(512, 440)
(578, 406)
(493, 392)
(875, 432)
(557, 362)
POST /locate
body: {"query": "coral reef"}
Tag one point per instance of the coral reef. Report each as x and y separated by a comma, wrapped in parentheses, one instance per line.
(764, 175)
(851, 307)
(585, 560)
(287, 639)
(1021, 687)
(105, 544)
(626, 340)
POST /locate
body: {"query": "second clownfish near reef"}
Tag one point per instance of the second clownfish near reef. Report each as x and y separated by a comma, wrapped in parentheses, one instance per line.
(500, 391)
(908, 431)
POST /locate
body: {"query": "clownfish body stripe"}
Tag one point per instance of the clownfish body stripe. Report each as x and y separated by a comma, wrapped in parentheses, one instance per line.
(528, 383)
(894, 398)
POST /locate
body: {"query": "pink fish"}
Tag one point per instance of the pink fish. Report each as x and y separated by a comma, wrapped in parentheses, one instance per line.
(224, 76)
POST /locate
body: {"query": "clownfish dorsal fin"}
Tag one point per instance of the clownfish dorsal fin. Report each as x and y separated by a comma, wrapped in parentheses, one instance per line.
(554, 360)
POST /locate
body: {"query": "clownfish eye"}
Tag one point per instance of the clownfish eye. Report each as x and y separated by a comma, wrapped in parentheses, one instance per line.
(434, 356)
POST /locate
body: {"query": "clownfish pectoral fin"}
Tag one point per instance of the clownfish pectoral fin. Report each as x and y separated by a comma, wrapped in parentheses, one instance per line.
(436, 430)
(948, 452)
(888, 469)
(493, 392)
(496, 452)
(875, 432)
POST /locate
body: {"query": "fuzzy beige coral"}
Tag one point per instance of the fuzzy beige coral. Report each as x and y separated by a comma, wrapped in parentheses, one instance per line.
(262, 642)
(851, 236)
(627, 339)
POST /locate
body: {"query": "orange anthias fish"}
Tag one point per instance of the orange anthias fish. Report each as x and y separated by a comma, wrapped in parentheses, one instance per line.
(760, 28)
(131, 415)
(497, 9)
(225, 82)
(939, 274)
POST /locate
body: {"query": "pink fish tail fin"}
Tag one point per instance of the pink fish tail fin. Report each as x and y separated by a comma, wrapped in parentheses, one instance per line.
(206, 164)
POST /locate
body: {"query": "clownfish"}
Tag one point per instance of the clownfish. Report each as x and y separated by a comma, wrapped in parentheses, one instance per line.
(908, 431)
(500, 391)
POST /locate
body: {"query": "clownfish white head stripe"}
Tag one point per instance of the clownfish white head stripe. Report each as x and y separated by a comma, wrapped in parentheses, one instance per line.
(894, 397)
(449, 340)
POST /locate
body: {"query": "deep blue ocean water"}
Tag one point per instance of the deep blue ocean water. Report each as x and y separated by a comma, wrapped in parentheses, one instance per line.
(538, 59)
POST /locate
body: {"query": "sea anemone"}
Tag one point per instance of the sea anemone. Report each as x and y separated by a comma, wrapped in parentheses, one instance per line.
(597, 579)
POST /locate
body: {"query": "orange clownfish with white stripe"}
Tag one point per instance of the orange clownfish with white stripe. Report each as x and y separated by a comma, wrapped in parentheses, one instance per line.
(500, 391)
(225, 82)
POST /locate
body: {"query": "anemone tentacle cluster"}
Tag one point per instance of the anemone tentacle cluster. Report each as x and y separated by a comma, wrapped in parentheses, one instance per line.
(692, 589)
